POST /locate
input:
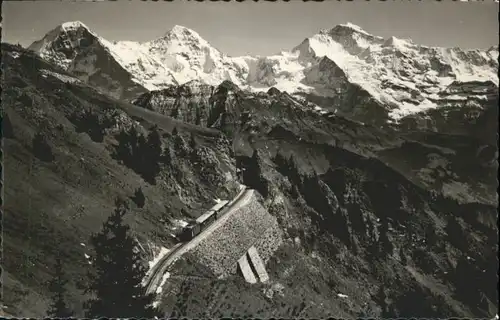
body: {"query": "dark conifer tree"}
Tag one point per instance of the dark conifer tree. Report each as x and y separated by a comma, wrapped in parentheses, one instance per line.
(7, 131)
(404, 261)
(341, 227)
(255, 156)
(251, 170)
(41, 148)
(119, 271)
(293, 172)
(180, 146)
(154, 144)
(192, 142)
(386, 247)
(280, 160)
(139, 198)
(166, 155)
(252, 175)
(193, 145)
(175, 113)
(431, 236)
(197, 120)
(94, 129)
(455, 233)
(140, 154)
(58, 308)
(124, 148)
(151, 156)
(295, 191)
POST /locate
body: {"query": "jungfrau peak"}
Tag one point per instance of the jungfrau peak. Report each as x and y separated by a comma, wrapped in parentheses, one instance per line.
(397, 74)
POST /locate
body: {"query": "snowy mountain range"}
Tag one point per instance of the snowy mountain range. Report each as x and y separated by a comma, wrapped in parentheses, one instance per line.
(402, 77)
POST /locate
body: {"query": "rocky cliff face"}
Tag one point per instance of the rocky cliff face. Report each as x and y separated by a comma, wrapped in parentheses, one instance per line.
(190, 102)
(470, 109)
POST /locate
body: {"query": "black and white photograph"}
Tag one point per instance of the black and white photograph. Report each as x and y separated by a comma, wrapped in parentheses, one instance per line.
(249, 159)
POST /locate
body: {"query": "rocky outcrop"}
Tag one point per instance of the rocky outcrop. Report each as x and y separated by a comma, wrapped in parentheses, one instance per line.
(196, 103)
(469, 117)
(189, 102)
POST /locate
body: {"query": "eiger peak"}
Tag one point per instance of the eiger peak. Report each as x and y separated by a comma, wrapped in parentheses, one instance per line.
(74, 25)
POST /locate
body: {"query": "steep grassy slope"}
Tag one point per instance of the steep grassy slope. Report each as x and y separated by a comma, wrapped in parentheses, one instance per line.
(53, 205)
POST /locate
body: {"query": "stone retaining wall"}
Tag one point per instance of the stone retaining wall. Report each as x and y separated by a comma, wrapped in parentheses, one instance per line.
(250, 225)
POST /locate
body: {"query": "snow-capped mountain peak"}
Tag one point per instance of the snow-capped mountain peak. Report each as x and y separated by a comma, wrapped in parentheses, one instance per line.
(397, 42)
(182, 33)
(179, 39)
(349, 28)
(398, 74)
(73, 25)
(64, 42)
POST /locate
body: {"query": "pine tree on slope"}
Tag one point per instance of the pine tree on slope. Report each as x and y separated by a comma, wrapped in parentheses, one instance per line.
(6, 125)
(153, 152)
(41, 148)
(58, 308)
(193, 145)
(116, 284)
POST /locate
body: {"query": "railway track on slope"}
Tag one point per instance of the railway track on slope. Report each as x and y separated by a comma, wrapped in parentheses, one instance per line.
(154, 278)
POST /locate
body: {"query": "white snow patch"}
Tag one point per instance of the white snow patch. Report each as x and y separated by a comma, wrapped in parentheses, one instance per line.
(62, 77)
(15, 54)
(88, 258)
(458, 190)
(341, 295)
(82, 244)
(73, 25)
(158, 257)
(356, 28)
(408, 108)
(178, 223)
(163, 280)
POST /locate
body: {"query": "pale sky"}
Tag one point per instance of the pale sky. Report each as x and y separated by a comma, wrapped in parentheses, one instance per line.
(260, 28)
